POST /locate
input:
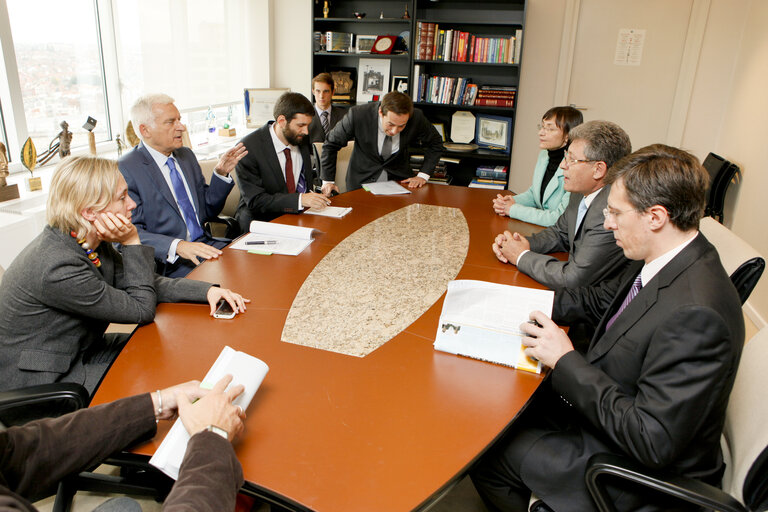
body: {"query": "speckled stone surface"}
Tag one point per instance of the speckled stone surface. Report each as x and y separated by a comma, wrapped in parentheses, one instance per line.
(379, 280)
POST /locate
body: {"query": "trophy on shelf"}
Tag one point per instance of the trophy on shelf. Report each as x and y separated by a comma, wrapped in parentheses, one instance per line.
(89, 125)
(58, 146)
(7, 192)
(29, 160)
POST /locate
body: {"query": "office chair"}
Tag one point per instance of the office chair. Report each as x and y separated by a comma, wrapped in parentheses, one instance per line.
(742, 262)
(342, 163)
(721, 172)
(745, 450)
(225, 224)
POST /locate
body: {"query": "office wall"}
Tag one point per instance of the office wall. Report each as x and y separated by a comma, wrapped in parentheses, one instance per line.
(292, 29)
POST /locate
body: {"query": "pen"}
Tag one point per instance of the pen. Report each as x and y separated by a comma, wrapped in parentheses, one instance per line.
(261, 242)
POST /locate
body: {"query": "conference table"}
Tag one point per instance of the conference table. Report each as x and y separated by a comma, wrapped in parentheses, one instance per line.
(329, 432)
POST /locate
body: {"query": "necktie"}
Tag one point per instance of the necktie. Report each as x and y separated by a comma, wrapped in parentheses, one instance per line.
(386, 148)
(289, 180)
(324, 121)
(580, 214)
(636, 286)
(190, 219)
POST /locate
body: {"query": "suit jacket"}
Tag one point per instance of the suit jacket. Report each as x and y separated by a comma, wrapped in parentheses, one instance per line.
(316, 132)
(592, 251)
(55, 304)
(528, 206)
(653, 387)
(263, 192)
(157, 216)
(36, 456)
(362, 124)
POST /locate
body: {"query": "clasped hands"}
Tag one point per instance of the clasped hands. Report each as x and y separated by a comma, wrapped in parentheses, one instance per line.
(509, 246)
(502, 203)
(544, 340)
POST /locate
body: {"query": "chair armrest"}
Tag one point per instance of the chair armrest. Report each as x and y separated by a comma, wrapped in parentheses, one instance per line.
(681, 487)
(43, 401)
(232, 227)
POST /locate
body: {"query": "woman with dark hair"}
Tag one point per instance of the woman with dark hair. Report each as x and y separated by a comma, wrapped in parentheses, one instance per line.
(546, 199)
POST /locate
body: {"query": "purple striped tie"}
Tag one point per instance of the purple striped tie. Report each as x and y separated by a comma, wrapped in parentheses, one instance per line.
(631, 295)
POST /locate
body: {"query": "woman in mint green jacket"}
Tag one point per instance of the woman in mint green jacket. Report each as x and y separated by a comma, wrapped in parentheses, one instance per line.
(546, 199)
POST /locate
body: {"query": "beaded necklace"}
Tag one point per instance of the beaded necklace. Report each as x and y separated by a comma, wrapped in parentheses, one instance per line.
(92, 255)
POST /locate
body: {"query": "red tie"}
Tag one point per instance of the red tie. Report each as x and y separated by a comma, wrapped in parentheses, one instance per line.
(289, 171)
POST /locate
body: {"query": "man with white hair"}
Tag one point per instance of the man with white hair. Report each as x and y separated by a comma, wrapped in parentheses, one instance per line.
(173, 202)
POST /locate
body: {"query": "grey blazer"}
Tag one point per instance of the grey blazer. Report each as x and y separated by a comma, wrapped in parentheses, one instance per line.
(55, 304)
(592, 251)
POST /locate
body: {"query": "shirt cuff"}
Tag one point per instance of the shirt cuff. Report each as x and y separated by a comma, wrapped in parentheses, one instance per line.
(517, 263)
(331, 182)
(423, 176)
(225, 179)
(172, 256)
(301, 206)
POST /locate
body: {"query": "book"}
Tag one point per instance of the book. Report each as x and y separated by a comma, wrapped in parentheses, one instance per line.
(441, 181)
(492, 174)
(274, 238)
(482, 320)
(245, 369)
(494, 102)
(492, 184)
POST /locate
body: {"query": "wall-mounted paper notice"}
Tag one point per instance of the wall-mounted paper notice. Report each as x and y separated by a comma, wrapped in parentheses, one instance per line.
(629, 47)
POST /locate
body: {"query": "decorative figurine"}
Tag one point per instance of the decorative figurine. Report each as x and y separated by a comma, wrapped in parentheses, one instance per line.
(29, 160)
(120, 145)
(381, 15)
(406, 16)
(7, 192)
(359, 15)
(130, 135)
(326, 9)
(59, 145)
(89, 125)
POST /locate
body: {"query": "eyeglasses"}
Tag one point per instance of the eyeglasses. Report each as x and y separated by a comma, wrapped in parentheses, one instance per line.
(572, 161)
(548, 129)
(608, 212)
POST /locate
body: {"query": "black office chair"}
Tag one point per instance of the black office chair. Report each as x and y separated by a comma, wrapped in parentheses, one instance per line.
(721, 173)
(745, 448)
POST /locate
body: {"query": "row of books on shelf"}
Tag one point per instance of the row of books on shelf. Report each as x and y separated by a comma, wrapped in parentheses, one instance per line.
(451, 45)
(446, 90)
(490, 176)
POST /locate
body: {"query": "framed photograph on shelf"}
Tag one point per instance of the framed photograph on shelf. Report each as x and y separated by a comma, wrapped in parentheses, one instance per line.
(400, 83)
(440, 127)
(259, 104)
(372, 79)
(363, 44)
(493, 132)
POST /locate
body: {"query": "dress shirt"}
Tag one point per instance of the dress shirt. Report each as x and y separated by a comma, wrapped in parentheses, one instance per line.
(395, 149)
(320, 112)
(587, 201)
(296, 159)
(162, 163)
(649, 270)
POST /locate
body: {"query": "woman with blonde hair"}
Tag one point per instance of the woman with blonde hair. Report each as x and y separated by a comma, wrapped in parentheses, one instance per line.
(62, 291)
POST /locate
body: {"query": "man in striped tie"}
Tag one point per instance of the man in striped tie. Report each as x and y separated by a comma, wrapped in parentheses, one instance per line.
(654, 382)
(327, 113)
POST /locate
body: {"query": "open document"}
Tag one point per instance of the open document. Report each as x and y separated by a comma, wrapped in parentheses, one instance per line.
(385, 188)
(336, 212)
(246, 370)
(273, 238)
(482, 320)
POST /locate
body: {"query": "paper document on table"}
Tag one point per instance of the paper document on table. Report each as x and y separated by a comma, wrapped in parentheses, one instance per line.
(336, 212)
(385, 188)
(246, 370)
(273, 238)
(482, 320)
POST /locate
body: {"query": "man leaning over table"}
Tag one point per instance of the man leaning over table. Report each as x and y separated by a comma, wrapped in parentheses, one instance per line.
(654, 383)
(592, 253)
(173, 202)
(36, 456)
(382, 132)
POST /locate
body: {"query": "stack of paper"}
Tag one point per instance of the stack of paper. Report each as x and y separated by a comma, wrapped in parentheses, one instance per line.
(273, 238)
(385, 188)
(482, 320)
(246, 370)
(336, 212)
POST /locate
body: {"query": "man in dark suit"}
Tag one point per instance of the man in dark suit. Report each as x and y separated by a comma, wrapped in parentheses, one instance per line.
(277, 177)
(592, 254)
(655, 381)
(327, 114)
(382, 133)
(173, 202)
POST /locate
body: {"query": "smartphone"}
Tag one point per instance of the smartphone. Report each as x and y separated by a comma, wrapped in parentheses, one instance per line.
(224, 310)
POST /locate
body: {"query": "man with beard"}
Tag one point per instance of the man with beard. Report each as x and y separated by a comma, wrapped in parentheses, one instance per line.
(276, 175)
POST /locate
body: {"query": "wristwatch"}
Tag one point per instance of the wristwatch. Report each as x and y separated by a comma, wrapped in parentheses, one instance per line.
(218, 430)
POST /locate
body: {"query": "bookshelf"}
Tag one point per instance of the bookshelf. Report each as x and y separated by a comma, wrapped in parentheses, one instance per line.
(493, 21)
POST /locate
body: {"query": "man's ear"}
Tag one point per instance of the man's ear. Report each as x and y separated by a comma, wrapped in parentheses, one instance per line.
(88, 214)
(600, 170)
(659, 216)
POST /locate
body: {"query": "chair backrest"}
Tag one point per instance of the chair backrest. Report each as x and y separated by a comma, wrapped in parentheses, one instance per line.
(721, 173)
(745, 436)
(742, 262)
(230, 206)
(2, 271)
(342, 163)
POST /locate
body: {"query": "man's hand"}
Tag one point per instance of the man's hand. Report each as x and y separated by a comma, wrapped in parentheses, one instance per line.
(228, 161)
(193, 250)
(167, 398)
(509, 246)
(502, 203)
(116, 228)
(328, 188)
(414, 182)
(237, 301)
(215, 408)
(314, 200)
(496, 246)
(546, 341)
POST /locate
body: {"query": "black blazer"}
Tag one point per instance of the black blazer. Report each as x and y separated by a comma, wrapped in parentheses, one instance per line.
(362, 124)
(316, 133)
(263, 192)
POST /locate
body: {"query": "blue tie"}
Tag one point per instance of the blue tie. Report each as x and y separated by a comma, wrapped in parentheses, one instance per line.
(193, 226)
(637, 285)
(580, 214)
